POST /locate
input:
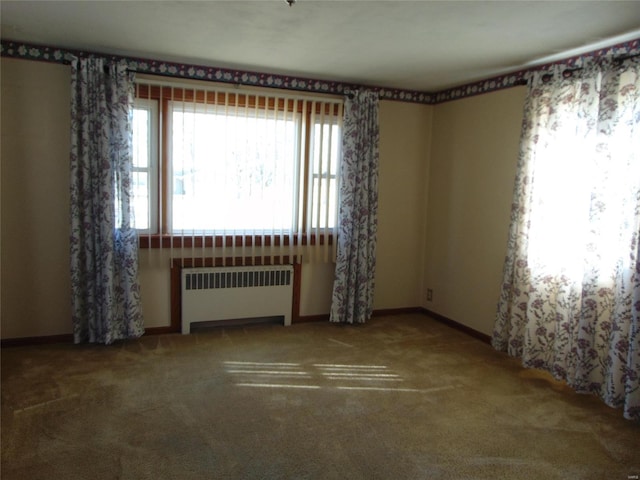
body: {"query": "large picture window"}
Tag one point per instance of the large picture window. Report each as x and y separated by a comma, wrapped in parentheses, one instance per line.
(232, 172)
(219, 164)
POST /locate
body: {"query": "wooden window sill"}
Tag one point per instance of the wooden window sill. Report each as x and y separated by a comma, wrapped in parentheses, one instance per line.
(211, 241)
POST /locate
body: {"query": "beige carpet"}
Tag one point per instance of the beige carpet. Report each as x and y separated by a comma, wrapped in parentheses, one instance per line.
(402, 397)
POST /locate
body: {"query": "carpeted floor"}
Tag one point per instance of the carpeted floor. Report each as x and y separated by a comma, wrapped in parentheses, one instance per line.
(402, 397)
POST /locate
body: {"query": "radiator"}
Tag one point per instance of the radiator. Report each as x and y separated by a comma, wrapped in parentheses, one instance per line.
(230, 293)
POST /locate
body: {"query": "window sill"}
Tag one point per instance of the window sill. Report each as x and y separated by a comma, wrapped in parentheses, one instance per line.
(218, 241)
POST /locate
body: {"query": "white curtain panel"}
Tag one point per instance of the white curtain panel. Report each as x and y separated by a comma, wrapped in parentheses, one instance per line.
(570, 299)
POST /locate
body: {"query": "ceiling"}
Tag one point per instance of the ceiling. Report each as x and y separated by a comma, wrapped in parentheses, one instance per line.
(415, 45)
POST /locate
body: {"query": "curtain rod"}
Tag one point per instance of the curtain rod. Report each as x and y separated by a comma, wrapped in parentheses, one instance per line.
(622, 58)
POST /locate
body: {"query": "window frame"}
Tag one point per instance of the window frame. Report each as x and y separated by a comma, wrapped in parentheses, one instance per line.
(151, 106)
(162, 94)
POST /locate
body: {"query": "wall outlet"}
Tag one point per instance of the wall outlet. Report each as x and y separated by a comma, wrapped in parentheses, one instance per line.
(429, 295)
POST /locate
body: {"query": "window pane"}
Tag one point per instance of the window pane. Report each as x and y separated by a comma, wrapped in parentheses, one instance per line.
(326, 205)
(232, 173)
(140, 137)
(145, 160)
(326, 141)
(141, 200)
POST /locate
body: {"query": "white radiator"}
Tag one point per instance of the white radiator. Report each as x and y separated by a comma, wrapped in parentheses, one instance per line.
(230, 293)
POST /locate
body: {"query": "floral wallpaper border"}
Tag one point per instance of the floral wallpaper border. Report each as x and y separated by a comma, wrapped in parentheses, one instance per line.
(9, 48)
(631, 47)
(27, 51)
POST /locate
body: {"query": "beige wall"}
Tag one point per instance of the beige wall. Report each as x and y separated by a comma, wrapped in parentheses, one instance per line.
(446, 175)
(34, 145)
(35, 285)
(404, 150)
(402, 191)
(473, 160)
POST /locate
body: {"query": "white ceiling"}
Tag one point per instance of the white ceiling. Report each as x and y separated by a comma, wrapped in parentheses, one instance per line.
(415, 45)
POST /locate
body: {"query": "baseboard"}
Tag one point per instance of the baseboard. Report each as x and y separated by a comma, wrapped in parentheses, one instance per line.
(436, 316)
(25, 341)
(396, 311)
(458, 326)
(312, 318)
(159, 330)
(65, 338)
(68, 338)
(376, 313)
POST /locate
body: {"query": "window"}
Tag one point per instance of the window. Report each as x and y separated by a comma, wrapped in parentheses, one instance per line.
(145, 165)
(218, 163)
(583, 178)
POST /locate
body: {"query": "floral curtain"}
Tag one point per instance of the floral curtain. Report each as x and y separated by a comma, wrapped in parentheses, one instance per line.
(570, 298)
(352, 300)
(104, 257)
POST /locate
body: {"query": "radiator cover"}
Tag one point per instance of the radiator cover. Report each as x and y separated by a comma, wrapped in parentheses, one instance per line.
(230, 293)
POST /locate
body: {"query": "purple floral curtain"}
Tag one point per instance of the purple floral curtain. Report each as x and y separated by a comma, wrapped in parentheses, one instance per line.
(570, 299)
(352, 300)
(104, 257)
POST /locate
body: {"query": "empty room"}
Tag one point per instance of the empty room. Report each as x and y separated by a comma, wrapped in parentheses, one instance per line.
(288, 239)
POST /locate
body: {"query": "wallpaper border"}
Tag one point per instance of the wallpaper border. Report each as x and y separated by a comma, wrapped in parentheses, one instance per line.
(28, 51)
(631, 47)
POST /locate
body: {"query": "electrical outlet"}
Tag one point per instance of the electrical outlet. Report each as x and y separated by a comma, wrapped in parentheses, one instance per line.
(429, 295)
